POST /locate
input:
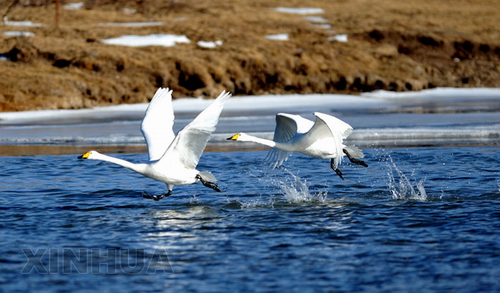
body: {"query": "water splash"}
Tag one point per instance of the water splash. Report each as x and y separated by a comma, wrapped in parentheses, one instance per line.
(257, 203)
(401, 187)
(296, 189)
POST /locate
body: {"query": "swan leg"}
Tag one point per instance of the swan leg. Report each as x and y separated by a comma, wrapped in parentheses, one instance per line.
(157, 197)
(208, 183)
(354, 160)
(337, 170)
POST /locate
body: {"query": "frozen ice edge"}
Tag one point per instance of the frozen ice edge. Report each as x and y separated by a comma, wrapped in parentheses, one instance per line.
(268, 103)
(119, 125)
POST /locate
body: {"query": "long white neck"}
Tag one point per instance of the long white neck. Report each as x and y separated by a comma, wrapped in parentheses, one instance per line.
(139, 168)
(266, 142)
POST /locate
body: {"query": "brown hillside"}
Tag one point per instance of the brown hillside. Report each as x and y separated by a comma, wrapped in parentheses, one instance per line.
(393, 45)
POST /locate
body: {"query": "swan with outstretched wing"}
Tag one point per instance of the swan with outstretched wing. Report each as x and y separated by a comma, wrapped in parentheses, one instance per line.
(172, 158)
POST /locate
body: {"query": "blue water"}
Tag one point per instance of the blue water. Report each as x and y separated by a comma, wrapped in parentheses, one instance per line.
(417, 219)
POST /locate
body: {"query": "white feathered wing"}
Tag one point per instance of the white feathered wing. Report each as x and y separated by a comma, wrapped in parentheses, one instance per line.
(188, 145)
(158, 122)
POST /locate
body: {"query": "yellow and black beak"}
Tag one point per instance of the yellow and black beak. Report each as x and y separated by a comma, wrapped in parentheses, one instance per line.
(234, 137)
(84, 156)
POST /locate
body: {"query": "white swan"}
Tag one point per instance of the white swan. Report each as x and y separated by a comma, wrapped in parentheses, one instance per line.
(172, 159)
(321, 139)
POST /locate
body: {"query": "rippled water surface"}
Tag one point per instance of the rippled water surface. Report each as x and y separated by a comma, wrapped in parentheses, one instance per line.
(416, 219)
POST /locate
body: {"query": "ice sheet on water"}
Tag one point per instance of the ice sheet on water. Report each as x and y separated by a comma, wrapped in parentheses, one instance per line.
(255, 114)
(437, 93)
(237, 104)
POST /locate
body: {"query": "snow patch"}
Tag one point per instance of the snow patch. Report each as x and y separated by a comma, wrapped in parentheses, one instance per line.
(133, 24)
(165, 40)
(18, 34)
(25, 23)
(277, 37)
(209, 45)
(299, 10)
(338, 38)
(74, 6)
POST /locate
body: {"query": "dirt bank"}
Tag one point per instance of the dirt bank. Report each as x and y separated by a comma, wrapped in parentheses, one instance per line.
(391, 44)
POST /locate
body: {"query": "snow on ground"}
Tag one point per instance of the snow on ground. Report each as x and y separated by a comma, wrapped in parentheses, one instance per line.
(209, 45)
(74, 6)
(24, 23)
(339, 38)
(277, 37)
(322, 25)
(316, 19)
(299, 10)
(133, 24)
(165, 40)
(18, 34)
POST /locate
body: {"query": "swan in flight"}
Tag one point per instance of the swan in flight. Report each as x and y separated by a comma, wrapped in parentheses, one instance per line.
(320, 139)
(172, 158)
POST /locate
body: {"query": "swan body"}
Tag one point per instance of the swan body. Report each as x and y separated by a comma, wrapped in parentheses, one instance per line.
(172, 158)
(320, 139)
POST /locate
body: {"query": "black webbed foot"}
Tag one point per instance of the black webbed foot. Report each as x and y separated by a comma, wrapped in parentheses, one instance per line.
(337, 170)
(208, 183)
(157, 197)
(354, 160)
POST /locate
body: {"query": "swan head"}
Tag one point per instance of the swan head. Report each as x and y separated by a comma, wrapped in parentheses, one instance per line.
(89, 155)
(240, 137)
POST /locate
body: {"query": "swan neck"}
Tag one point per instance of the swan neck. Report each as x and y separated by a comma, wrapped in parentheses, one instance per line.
(134, 167)
(263, 141)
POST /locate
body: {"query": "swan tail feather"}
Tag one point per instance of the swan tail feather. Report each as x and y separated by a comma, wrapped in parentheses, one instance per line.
(208, 176)
(355, 152)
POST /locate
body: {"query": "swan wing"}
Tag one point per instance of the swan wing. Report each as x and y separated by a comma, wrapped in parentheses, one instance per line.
(156, 127)
(190, 142)
(335, 123)
(287, 126)
(329, 126)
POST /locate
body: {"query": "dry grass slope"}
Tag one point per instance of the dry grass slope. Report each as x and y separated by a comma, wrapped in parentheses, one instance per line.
(392, 45)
